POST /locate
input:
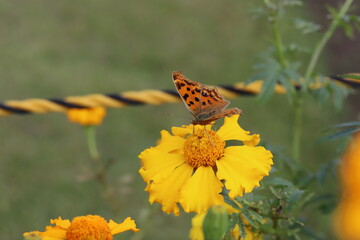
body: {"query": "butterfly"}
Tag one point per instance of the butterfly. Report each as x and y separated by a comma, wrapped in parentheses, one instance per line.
(205, 103)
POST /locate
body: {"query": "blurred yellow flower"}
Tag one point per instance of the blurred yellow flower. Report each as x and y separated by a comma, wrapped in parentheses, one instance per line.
(193, 164)
(90, 227)
(196, 232)
(86, 116)
(347, 221)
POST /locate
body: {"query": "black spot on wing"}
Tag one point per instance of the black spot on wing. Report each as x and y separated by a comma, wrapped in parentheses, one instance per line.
(197, 99)
(209, 102)
(191, 103)
(204, 103)
(204, 94)
(179, 85)
(185, 96)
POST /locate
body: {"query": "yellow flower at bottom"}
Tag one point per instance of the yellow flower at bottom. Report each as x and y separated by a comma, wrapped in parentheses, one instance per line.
(90, 227)
(86, 116)
(346, 219)
(192, 165)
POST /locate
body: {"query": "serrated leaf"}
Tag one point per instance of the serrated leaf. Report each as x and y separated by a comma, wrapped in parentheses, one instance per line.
(288, 86)
(255, 215)
(242, 228)
(275, 193)
(231, 203)
(293, 199)
(257, 76)
(267, 89)
(234, 219)
(305, 26)
(248, 217)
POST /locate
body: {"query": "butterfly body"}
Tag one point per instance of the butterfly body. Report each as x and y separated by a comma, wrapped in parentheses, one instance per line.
(205, 103)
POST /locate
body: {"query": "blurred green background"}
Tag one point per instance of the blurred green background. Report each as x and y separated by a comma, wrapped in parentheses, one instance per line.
(63, 48)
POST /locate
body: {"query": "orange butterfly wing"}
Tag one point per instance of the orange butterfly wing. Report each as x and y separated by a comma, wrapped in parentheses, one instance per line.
(205, 103)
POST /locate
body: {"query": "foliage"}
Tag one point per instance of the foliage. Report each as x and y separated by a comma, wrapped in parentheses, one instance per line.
(276, 208)
(288, 201)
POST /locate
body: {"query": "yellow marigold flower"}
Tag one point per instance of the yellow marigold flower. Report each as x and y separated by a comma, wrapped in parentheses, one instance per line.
(86, 116)
(90, 227)
(193, 164)
(346, 219)
(196, 232)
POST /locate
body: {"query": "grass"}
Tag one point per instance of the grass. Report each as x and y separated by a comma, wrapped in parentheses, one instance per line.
(58, 48)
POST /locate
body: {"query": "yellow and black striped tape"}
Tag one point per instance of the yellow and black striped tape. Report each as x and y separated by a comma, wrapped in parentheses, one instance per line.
(134, 98)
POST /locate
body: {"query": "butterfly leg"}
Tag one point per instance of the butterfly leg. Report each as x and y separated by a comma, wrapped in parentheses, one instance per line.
(208, 135)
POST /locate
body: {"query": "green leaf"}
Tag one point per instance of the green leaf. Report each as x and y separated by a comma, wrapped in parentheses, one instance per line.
(347, 28)
(293, 199)
(339, 93)
(276, 181)
(234, 219)
(347, 124)
(249, 218)
(255, 215)
(292, 3)
(275, 193)
(305, 26)
(268, 87)
(339, 134)
(325, 169)
(242, 228)
(232, 203)
(354, 76)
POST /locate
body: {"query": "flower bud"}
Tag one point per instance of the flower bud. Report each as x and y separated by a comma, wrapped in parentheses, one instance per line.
(216, 223)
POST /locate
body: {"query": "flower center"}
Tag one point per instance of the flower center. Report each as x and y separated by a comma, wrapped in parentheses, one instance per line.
(90, 227)
(203, 148)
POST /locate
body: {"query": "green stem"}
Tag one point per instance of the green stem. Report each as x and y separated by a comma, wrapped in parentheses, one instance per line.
(278, 42)
(91, 141)
(309, 71)
(298, 105)
(100, 170)
(320, 46)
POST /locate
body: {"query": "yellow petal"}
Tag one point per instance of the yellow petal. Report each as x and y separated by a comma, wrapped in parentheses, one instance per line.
(158, 164)
(54, 233)
(183, 130)
(196, 232)
(255, 139)
(167, 192)
(169, 142)
(232, 131)
(61, 223)
(201, 191)
(127, 224)
(243, 167)
(34, 235)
